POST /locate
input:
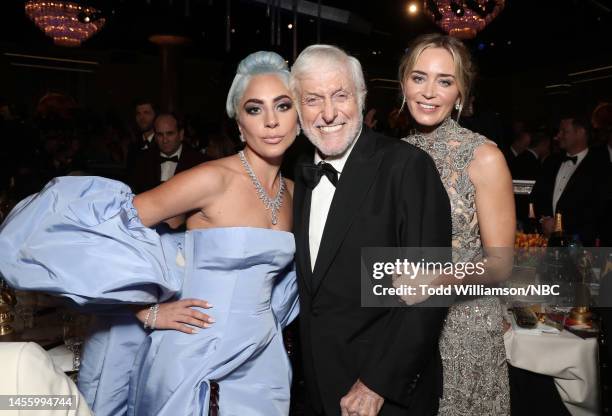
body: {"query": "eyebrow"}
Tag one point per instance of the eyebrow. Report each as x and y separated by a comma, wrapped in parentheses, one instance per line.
(281, 97)
(439, 75)
(341, 89)
(258, 101)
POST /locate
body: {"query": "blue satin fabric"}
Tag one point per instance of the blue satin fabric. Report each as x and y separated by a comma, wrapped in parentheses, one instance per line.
(108, 355)
(248, 276)
(81, 238)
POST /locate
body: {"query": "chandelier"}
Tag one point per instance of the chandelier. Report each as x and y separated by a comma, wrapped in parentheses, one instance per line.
(463, 19)
(66, 22)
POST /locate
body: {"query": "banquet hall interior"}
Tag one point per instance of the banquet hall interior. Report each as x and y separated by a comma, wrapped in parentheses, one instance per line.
(77, 78)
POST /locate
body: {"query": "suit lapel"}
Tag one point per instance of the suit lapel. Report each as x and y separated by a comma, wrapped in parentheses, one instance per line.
(183, 161)
(301, 215)
(157, 167)
(574, 180)
(549, 179)
(355, 181)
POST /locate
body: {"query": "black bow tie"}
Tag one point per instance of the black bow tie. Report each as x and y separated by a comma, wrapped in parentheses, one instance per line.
(163, 159)
(574, 159)
(312, 173)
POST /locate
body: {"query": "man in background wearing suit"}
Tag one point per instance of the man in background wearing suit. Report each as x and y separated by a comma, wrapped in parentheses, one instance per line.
(144, 116)
(577, 185)
(363, 190)
(168, 158)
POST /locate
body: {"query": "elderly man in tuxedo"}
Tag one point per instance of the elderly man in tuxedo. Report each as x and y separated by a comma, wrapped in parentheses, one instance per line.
(167, 158)
(360, 189)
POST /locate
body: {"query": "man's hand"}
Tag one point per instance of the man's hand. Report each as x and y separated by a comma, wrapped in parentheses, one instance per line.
(179, 315)
(361, 401)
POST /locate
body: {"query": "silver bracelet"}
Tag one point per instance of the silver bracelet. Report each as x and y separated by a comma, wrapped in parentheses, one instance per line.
(146, 321)
(155, 309)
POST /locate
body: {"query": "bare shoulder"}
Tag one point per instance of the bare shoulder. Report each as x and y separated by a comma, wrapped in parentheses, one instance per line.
(210, 178)
(489, 166)
(488, 163)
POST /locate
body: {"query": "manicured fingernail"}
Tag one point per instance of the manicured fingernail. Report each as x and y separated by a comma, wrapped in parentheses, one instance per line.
(211, 320)
(209, 305)
(206, 325)
(195, 330)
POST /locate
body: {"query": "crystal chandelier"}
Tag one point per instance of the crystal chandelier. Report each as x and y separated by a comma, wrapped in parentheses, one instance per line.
(463, 19)
(66, 22)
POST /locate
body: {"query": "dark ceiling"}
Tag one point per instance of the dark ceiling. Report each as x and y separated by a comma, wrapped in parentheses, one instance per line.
(527, 32)
(532, 42)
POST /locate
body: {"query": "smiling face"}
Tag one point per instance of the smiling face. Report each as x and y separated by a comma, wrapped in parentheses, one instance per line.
(430, 88)
(266, 116)
(329, 109)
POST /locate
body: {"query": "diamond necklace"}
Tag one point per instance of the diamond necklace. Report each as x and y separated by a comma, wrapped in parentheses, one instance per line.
(272, 204)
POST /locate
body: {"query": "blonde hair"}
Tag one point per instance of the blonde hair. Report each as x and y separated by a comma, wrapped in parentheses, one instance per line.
(465, 70)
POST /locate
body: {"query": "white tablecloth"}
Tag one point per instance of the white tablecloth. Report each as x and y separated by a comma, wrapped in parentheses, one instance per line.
(571, 360)
(62, 358)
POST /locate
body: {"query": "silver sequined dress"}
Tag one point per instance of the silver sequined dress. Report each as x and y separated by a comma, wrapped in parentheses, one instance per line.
(471, 343)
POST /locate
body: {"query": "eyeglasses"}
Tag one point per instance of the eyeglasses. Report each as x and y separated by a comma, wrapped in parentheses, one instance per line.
(317, 101)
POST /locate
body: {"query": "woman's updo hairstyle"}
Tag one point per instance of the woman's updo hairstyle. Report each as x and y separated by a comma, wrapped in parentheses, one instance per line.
(257, 63)
(465, 70)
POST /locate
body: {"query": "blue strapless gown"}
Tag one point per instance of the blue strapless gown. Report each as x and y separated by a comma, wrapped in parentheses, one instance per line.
(81, 238)
(247, 274)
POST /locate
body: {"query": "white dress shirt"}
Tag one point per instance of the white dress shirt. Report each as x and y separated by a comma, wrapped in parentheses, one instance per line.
(146, 141)
(168, 168)
(564, 174)
(321, 200)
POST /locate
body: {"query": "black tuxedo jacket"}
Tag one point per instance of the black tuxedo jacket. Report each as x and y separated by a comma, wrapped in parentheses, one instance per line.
(583, 200)
(525, 166)
(147, 169)
(389, 194)
(135, 152)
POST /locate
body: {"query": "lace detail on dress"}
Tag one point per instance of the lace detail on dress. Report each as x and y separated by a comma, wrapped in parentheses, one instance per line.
(452, 149)
(471, 343)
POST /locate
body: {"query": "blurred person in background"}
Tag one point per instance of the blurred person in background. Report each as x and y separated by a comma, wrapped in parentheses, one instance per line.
(168, 157)
(576, 186)
(144, 116)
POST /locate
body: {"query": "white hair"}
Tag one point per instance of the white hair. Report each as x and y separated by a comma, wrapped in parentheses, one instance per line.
(257, 63)
(315, 57)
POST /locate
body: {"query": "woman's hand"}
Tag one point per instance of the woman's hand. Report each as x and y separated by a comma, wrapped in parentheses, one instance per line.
(179, 315)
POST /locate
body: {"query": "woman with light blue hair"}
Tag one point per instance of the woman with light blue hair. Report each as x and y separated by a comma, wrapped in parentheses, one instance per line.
(235, 263)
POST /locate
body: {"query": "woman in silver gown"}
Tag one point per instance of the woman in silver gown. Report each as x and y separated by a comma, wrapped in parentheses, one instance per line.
(435, 78)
